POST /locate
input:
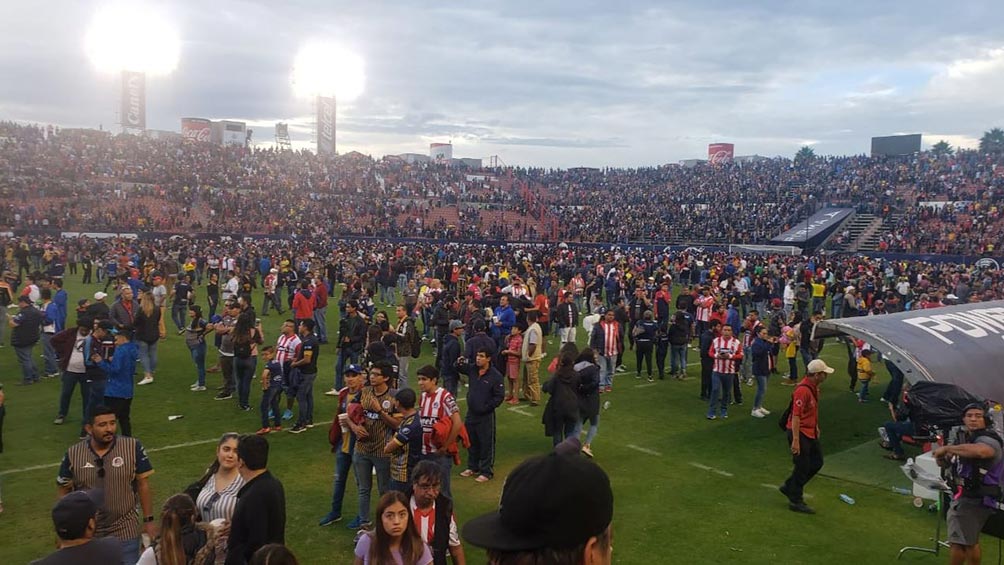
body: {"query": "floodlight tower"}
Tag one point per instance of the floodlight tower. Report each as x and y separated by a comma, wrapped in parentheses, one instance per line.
(327, 73)
(135, 40)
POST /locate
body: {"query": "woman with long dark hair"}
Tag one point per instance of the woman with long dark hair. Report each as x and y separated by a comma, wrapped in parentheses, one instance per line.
(183, 540)
(589, 397)
(215, 494)
(247, 337)
(561, 413)
(147, 332)
(394, 539)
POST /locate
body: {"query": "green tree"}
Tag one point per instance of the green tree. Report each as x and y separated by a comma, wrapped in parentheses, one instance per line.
(942, 148)
(806, 153)
(992, 141)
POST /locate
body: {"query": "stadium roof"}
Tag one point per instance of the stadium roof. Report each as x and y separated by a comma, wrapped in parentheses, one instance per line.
(960, 344)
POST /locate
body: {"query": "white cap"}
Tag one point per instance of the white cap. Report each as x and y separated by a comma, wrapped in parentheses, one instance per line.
(818, 366)
(99, 295)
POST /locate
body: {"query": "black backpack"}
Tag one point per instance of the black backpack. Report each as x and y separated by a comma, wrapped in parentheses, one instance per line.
(782, 422)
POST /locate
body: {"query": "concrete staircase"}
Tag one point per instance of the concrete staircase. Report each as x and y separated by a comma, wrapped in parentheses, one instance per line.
(861, 226)
(869, 240)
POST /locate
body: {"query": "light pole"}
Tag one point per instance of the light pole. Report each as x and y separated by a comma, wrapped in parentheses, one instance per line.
(136, 41)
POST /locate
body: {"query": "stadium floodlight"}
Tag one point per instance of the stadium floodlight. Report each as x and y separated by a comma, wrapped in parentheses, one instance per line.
(325, 69)
(133, 37)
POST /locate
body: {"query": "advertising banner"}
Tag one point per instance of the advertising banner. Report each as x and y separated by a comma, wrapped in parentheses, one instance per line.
(719, 153)
(196, 129)
(325, 125)
(133, 110)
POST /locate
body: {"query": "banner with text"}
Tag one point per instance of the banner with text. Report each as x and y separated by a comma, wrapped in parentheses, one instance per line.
(325, 125)
(133, 110)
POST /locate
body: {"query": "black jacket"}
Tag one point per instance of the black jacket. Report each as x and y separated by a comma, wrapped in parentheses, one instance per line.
(589, 389)
(563, 404)
(563, 312)
(484, 394)
(259, 518)
(448, 357)
(29, 328)
(353, 328)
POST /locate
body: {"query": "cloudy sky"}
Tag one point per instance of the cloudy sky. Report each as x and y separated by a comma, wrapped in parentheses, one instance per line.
(547, 83)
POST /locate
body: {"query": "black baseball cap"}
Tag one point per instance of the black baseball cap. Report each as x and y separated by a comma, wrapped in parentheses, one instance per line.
(71, 514)
(558, 501)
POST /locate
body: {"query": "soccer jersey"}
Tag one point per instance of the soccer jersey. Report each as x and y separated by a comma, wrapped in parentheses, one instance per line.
(409, 434)
(378, 430)
(285, 348)
(434, 406)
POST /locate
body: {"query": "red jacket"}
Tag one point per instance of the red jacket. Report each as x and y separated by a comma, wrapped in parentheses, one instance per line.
(303, 305)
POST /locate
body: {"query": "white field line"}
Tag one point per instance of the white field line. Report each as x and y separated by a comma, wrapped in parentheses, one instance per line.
(700, 466)
(644, 450)
(646, 385)
(519, 410)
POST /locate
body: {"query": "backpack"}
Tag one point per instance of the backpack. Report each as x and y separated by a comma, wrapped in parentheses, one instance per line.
(416, 341)
(782, 422)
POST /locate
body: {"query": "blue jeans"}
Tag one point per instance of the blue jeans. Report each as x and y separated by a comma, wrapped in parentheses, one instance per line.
(148, 356)
(321, 323)
(836, 307)
(270, 402)
(178, 313)
(761, 389)
(363, 466)
(199, 358)
(244, 371)
(345, 357)
(721, 385)
(343, 462)
(305, 398)
(29, 372)
(896, 431)
(51, 367)
(130, 551)
(594, 428)
(677, 359)
(70, 381)
(96, 396)
(863, 393)
(607, 365)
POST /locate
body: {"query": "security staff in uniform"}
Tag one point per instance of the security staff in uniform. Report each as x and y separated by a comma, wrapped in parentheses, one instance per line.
(977, 468)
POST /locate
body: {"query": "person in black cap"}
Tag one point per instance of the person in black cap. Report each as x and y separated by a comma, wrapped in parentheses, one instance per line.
(555, 508)
(74, 517)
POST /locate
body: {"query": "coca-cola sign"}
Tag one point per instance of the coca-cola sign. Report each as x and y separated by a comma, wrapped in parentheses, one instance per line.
(325, 125)
(196, 129)
(133, 100)
(719, 153)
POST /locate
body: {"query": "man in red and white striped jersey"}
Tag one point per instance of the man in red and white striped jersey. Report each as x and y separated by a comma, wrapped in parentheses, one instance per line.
(285, 351)
(433, 515)
(727, 353)
(436, 404)
(607, 341)
(705, 305)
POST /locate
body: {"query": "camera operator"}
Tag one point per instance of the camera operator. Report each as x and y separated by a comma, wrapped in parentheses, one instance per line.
(976, 460)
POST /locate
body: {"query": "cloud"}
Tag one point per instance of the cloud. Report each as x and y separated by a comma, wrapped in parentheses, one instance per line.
(549, 84)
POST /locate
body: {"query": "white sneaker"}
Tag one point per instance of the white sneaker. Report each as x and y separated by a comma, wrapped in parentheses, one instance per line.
(198, 388)
(764, 411)
(331, 392)
(145, 381)
(193, 385)
(757, 413)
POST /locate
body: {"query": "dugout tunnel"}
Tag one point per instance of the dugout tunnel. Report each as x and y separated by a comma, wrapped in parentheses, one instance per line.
(961, 345)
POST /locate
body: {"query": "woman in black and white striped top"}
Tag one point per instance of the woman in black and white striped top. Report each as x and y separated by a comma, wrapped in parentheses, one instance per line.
(218, 496)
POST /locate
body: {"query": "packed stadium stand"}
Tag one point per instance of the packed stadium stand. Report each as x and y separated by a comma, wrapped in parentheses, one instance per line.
(76, 180)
